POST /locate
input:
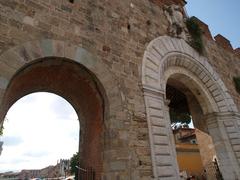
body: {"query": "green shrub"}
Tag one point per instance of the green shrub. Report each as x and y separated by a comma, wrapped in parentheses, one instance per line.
(196, 34)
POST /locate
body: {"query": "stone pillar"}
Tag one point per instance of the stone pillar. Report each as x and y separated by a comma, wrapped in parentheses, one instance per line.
(171, 136)
(225, 133)
(163, 150)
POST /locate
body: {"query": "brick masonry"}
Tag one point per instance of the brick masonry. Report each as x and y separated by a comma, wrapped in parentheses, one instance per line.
(116, 34)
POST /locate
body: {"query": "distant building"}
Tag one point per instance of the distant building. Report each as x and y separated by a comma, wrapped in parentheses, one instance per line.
(50, 172)
(196, 154)
(28, 174)
(188, 154)
(64, 167)
(9, 175)
(208, 155)
(61, 169)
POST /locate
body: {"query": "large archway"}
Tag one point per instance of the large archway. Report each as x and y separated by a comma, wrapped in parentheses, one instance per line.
(79, 87)
(74, 74)
(167, 59)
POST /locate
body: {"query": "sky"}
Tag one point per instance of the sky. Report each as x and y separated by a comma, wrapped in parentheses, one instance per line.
(222, 17)
(41, 128)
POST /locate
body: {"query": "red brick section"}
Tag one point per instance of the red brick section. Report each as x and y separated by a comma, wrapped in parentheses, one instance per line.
(204, 28)
(224, 42)
(72, 82)
(169, 2)
(237, 51)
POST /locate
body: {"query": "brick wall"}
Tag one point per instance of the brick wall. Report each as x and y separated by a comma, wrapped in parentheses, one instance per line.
(169, 2)
(116, 33)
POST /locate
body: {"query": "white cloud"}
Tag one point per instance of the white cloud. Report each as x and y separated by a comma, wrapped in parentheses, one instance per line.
(41, 128)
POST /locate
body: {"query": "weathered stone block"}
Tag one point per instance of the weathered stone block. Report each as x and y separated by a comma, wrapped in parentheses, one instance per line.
(118, 165)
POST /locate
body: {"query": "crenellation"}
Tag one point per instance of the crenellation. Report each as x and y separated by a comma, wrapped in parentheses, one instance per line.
(223, 42)
(237, 51)
(205, 29)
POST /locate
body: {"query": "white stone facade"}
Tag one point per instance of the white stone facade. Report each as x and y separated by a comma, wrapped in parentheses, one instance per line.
(167, 57)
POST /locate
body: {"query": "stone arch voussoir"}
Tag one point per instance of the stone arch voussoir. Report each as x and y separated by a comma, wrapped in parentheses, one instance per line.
(17, 57)
(165, 52)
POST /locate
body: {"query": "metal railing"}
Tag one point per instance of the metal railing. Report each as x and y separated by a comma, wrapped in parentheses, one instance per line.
(85, 173)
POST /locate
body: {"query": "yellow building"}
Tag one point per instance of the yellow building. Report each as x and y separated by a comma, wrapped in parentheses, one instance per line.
(188, 154)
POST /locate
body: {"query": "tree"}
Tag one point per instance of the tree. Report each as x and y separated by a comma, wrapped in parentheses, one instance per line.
(178, 106)
(1, 126)
(74, 161)
(182, 117)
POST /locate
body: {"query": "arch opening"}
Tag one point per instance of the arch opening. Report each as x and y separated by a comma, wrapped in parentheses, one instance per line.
(39, 130)
(187, 81)
(195, 151)
(79, 87)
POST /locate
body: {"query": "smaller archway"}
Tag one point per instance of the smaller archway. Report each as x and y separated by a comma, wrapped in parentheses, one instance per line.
(196, 155)
(172, 59)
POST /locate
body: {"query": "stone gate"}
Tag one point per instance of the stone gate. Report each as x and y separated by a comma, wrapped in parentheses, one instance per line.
(112, 60)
